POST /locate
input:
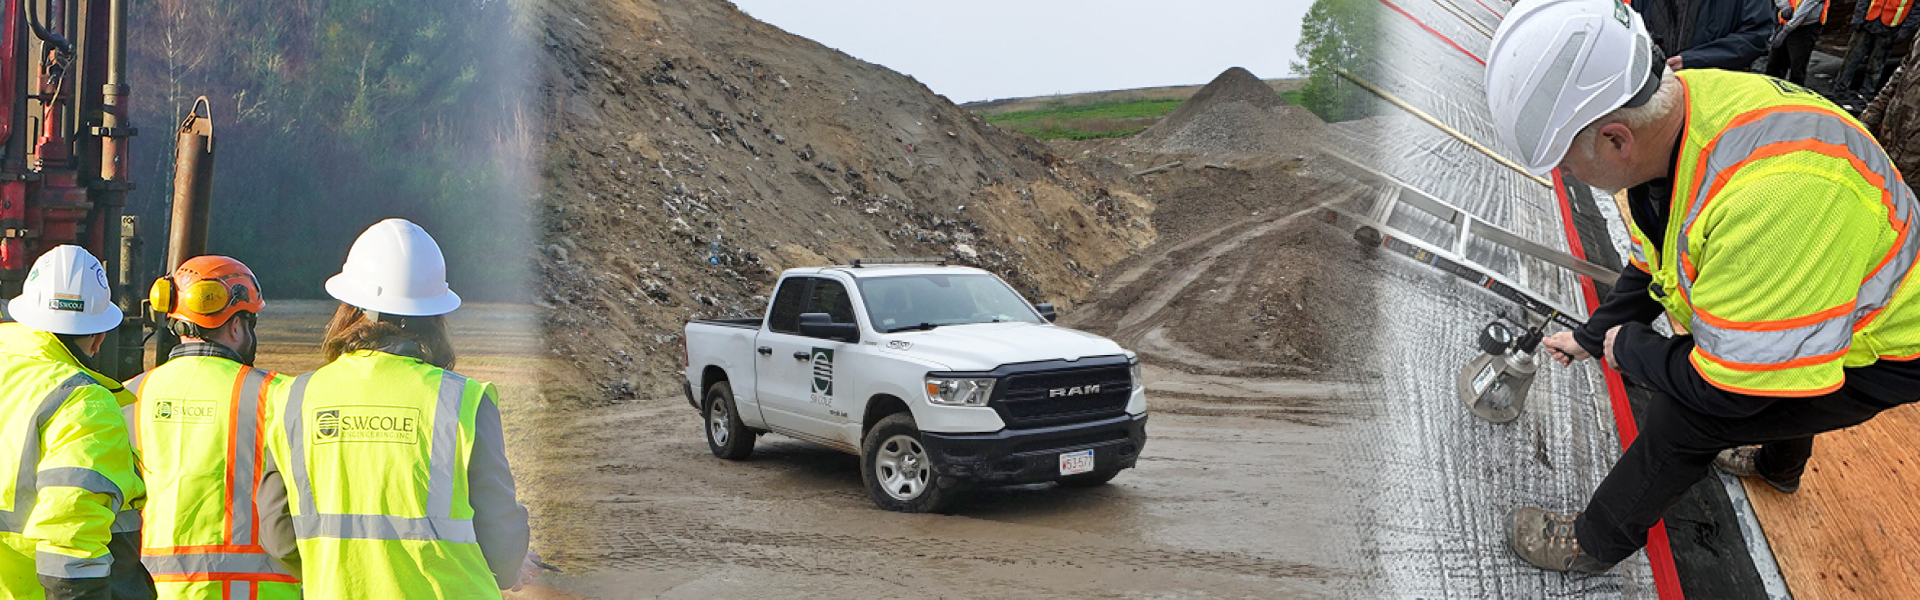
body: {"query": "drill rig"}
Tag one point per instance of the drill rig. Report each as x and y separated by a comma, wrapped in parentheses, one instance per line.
(64, 162)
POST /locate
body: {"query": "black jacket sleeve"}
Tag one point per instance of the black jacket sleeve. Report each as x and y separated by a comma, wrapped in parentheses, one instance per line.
(126, 580)
(1628, 302)
(1661, 363)
(1745, 40)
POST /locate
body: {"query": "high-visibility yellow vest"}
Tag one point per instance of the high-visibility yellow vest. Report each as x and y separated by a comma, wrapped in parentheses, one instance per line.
(67, 477)
(1889, 12)
(1788, 252)
(197, 427)
(374, 448)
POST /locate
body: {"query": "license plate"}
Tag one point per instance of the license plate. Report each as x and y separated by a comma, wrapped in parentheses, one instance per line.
(1074, 463)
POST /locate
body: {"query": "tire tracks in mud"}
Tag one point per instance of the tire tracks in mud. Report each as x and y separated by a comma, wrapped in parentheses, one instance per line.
(657, 539)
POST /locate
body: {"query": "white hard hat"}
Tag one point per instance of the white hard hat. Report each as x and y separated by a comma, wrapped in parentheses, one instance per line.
(395, 268)
(66, 293)
(1558, 66)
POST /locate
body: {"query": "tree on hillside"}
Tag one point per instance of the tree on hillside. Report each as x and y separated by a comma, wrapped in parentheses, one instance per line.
(1338, 35)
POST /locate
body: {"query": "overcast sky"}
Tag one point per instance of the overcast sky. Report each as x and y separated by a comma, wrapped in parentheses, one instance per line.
(986, 49)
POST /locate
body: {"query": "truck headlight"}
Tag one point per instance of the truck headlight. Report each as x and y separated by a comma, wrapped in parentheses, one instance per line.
(1133, 370)
(959, 392)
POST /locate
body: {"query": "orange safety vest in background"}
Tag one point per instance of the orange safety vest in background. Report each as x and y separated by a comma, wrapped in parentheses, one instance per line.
(198, 429)
(1889, 12)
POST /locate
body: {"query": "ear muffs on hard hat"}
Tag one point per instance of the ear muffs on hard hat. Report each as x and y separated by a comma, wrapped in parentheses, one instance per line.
(66, 293)
(205, 292)
(395, 268)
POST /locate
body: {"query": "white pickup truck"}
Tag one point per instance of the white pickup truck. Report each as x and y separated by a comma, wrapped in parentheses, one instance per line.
(940, 378)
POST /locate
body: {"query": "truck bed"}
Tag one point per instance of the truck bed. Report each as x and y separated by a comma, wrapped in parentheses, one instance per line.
(741, 323)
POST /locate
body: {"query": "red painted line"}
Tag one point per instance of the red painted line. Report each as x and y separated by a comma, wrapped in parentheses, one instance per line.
(1666, 578)
(1435, 33)
(1491, 10)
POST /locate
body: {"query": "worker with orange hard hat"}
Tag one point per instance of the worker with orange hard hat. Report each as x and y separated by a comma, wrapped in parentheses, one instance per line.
(198, 430)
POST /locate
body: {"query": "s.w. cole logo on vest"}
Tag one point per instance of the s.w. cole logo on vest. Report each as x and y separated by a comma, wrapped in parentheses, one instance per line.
(388, 424)
(183, 411)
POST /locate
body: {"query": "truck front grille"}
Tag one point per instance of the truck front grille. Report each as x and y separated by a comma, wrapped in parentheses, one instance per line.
(1043, 398)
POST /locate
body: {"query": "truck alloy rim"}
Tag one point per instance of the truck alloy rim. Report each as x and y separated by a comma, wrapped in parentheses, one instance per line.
(902, 467)
(717, 418)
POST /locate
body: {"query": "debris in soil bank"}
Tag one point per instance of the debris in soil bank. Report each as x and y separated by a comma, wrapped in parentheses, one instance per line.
(692, 153)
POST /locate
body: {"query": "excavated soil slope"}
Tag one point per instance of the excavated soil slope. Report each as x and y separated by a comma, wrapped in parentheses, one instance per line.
(693, 152)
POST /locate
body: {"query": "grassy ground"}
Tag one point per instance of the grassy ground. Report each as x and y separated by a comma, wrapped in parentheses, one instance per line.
(1096, 115)
(1086, 121)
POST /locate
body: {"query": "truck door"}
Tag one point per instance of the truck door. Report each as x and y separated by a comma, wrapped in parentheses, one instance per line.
(800, 389)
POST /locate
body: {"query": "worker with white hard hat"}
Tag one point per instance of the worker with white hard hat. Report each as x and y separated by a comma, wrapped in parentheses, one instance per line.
(1765, 222)
(69, 491)
(395, 465)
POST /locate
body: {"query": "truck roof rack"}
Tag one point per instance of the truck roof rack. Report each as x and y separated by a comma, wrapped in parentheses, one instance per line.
(867, 262)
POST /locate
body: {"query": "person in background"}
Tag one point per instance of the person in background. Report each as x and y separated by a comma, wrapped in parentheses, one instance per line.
(197, 427)
(1800, 24)
(1894, 116)
(1709, 34)
(69, 491)
(1879, 26)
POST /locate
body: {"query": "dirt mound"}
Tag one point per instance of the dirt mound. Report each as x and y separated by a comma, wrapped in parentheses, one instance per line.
(693, 152)
(1236, 115)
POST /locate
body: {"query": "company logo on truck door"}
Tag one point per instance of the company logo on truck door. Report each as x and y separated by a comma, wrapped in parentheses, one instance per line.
(822, 376)
(390, 424)
(1078, 390)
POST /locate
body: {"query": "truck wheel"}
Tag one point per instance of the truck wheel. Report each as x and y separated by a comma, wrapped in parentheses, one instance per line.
(898, 470)
(727, 437)
(1087, 480)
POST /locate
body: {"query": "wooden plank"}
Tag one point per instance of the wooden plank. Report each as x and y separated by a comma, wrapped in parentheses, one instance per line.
(1853, 530)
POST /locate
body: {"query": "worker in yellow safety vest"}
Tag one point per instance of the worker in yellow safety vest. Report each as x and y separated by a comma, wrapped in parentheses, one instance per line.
(69, 492)
(395, 466)
(1765, 222)
(197, 428)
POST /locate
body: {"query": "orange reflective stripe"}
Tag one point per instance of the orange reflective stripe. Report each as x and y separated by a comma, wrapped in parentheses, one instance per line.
(1774, 325)
(1769, 393)
(204, 577)
(1804, 361)
(208, 549)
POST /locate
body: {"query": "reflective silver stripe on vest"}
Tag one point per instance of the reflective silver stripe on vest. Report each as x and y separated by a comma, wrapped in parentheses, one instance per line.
(212, 562)
(297, 443)
(126, 521)
(1633, 249)
(25, 487)
(239, 590)
(383, 527)
(1834, 335)
(242, 464)
(446, 442)
(443, 459)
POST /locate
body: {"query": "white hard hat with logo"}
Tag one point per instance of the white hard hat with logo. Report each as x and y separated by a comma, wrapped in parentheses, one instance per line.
(66, 293)
(1558, 66)
(395, 268)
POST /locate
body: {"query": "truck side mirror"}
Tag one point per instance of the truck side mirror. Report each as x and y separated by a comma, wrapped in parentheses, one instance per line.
(1047, 312)
(821, 325)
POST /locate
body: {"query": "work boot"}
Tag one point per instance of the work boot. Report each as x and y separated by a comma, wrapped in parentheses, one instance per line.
(1545, 539)
(1740, 462)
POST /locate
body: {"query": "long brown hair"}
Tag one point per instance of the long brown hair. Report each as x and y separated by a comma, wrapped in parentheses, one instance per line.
(351, 331)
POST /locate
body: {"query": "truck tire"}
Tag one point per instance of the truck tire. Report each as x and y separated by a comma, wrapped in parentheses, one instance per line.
(899, 471)
(727, 437)
(1087, 480)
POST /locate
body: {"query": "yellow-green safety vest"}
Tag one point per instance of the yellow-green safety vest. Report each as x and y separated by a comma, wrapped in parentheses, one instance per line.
(198, 429)
(67, 475)
(374, 448)
(1789, 251)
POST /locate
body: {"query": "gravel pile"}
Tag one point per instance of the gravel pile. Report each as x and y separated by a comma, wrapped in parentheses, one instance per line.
(1236, 115)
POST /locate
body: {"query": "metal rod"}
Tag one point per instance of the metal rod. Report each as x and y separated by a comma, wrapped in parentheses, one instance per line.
(192, 186)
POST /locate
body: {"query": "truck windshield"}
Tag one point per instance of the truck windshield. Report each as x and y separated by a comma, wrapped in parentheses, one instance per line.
(905, 302)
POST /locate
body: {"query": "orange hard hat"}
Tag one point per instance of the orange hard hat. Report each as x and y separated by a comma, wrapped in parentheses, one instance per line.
(208, 290)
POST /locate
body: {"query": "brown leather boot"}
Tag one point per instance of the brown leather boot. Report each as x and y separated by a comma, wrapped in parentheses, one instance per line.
(1545, 539)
